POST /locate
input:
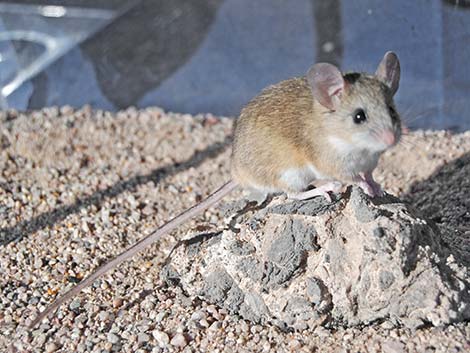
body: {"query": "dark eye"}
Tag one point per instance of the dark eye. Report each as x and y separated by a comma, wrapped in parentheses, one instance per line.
(359, 116)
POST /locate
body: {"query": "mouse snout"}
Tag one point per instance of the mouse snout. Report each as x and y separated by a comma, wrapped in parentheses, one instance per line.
(388, 137)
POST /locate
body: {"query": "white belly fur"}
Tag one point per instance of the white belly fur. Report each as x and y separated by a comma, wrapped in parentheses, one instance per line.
(299, 178)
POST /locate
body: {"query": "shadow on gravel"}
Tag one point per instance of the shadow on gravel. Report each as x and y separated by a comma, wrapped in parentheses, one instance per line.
(444, 198)
(47, 219)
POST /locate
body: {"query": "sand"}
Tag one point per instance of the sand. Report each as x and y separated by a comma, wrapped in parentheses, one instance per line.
(79, 186)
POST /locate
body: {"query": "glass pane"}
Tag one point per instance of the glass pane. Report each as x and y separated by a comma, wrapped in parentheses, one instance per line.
(213, 56)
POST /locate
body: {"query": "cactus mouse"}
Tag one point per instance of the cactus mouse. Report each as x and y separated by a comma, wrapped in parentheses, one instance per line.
(327, 129)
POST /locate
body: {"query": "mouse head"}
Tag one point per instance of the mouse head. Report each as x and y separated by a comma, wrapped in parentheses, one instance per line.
(360, 112)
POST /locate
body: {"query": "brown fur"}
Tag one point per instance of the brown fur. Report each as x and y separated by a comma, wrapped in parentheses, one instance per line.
(270, 134)
(284, 127)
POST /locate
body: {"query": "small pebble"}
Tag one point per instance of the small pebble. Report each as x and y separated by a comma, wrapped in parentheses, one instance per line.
(108, 346)
(51, 347)
(294, 345)
(113, 338)
(160, 316)
(244, 326)
(179, 340)
(38, 263)
(387, 325)
(211, 309)
(161, 337)
(117, 302)
(142, 338)
(104, 315)
(266, 346)
(198, 315)
(204, 323)
(41, 339)
(216, 325)
(75, 304)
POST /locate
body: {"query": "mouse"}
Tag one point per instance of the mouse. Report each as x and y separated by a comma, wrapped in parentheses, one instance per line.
(326, 129)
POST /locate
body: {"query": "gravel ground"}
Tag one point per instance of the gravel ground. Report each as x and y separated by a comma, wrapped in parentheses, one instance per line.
(79, 186)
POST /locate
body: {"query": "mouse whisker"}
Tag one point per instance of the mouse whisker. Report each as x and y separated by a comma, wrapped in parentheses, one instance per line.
(412, 135)
(406, 111)
(407, 143)
(408, 119)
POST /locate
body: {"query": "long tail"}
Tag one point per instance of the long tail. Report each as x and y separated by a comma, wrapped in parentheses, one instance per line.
(140, 245)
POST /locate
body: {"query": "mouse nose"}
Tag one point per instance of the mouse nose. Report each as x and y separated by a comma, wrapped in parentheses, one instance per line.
(388, 137)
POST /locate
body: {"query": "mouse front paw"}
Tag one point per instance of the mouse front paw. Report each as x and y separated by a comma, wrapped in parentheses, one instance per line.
(367, 183)
(368, 189)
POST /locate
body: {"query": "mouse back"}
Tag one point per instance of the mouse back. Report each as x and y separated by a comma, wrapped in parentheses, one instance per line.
(269, 133)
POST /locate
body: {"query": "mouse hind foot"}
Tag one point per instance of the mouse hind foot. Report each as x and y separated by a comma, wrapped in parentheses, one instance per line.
(323, 190)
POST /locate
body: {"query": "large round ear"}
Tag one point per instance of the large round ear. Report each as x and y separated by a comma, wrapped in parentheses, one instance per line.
(327, 84)
(389, 71)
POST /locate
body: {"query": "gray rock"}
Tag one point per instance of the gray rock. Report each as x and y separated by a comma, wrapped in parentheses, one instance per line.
(314, 290)
(305, 264)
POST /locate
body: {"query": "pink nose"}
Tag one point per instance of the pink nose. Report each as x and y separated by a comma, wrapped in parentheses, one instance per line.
(388, 137)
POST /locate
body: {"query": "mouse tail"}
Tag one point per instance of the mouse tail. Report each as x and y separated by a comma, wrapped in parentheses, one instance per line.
(191, 212)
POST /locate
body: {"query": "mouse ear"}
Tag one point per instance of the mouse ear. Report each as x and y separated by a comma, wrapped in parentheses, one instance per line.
(327, 84)
(389, 71)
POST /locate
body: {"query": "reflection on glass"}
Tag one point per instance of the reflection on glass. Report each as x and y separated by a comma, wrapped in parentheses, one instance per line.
(34, 36)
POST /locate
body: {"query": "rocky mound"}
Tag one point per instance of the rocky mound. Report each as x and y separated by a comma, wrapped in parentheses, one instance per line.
(307, 263)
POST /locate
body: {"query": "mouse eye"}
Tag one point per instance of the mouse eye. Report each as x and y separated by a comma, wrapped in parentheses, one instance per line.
(359, 116)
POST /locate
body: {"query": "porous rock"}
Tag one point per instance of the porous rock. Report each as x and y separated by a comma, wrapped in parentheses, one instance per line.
(300, 264)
